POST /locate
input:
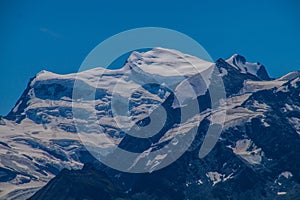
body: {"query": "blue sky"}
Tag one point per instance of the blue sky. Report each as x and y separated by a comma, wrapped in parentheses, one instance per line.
(57, 35)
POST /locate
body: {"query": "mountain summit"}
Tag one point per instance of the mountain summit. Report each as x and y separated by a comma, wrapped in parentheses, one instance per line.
(256, 69)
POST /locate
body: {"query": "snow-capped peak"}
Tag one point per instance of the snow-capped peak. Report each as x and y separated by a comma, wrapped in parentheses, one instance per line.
(240, 63)
(167, 62)
(237, 58)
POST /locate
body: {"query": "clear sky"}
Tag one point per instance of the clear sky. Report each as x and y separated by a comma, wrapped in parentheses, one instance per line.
(57, 35)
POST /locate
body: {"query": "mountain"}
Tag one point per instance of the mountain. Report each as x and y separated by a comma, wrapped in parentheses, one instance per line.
(256, 69)
(256, 156)
(84, 183)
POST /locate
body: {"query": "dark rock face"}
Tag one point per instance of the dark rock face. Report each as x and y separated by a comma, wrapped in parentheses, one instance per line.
(6, 175)
(18, 115)
(233, 80)
(86, 184)
(263, 74)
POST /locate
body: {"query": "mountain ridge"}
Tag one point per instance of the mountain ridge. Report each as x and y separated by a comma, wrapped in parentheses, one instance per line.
(40, 136)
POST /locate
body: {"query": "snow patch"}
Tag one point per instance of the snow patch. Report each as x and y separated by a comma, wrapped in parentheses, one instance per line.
(286, 174)
(281, 193)
(248, 151)
(216, 177)
(224, 72)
